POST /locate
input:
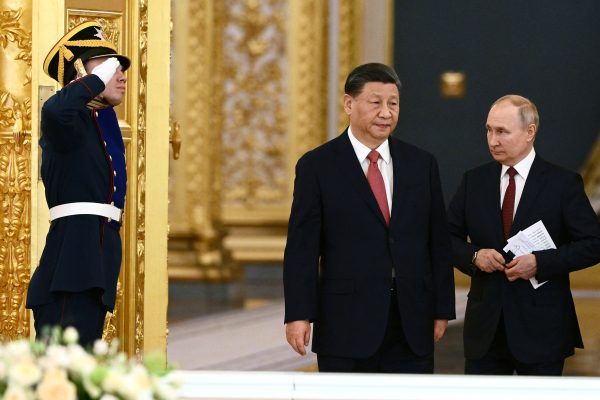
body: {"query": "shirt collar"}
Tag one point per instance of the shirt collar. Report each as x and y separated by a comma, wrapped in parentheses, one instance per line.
(363, 151)
(523, 167)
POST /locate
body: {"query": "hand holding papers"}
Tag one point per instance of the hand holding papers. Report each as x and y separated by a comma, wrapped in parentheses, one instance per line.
(534, 238)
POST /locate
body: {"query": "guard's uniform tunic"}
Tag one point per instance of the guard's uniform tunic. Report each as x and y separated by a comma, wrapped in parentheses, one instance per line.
(83, 160)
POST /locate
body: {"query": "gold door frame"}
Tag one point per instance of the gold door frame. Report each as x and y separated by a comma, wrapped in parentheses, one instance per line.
(142, 29)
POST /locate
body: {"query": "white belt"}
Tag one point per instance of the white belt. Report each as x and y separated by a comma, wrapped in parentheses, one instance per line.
(105, 210)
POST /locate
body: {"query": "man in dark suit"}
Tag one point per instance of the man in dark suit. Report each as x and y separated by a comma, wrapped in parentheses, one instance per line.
(509, 325)
(83, 169)
(368, 252)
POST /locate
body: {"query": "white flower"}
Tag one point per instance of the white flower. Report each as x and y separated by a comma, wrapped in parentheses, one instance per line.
(56, 356)
(82, 363)
(164, 389)
(113, 381)
(100, 348)
(70, 335)
(17, 350)
(24, 373)
(108, 397)
(15, 393)
(56, 386)
(35, 370)
(91, 388)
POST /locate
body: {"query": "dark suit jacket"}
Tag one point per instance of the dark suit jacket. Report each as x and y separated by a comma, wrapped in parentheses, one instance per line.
(82, 251)
(340, 253)
(541, 325)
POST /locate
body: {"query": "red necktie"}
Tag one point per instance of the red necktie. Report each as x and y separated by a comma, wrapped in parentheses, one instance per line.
(508, 204)
(377, 186)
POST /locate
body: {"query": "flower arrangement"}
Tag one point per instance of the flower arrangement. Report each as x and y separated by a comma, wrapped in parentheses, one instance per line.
(60, 369)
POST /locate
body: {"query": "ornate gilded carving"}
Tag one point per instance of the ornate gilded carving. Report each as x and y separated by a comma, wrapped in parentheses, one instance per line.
(12, 109)
(110, 26)
(15, 172)
(254, 104)
(141, 179)
(11, 31)
(15, 237)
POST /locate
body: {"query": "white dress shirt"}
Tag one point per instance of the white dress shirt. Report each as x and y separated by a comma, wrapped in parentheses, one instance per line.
(384, 163)
(523, 167)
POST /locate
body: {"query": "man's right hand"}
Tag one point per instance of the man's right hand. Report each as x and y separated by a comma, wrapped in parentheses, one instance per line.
(489, 260)
(297, 334)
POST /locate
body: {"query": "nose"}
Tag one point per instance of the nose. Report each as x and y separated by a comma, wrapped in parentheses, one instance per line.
(385, 112)
(121, 76)
(493, 139)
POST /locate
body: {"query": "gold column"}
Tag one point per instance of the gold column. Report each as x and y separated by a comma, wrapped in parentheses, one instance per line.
(350, 49)
(15, 166)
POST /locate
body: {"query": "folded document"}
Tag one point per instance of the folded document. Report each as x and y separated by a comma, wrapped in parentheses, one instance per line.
(534, 238)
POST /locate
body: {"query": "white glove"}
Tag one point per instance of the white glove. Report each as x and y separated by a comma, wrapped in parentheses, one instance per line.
(107, 69)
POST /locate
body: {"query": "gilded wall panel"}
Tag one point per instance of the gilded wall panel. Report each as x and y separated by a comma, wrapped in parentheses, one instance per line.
(196, 232)
(15, 167)
(250, 101)
(255, 106)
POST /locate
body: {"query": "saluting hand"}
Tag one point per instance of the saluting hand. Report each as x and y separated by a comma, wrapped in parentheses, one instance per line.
(106, 69)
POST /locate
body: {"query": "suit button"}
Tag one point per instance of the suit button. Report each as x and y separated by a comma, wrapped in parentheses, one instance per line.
(114, 173)
(104, 143)
(114, 189)
(110, 157)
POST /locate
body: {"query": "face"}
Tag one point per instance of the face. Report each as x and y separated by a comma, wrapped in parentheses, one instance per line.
(114, 92)
(374, 112)
(508, 140)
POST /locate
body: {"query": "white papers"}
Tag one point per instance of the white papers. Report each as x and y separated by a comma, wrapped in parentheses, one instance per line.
(534, 238)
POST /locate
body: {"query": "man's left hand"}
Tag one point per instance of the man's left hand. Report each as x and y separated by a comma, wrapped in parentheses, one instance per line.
(439, 328)
(523, 267)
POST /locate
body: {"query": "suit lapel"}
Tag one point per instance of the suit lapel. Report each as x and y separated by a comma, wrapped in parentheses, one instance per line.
(351, 169)
(492, 200)
(401, 166)
(534, 183)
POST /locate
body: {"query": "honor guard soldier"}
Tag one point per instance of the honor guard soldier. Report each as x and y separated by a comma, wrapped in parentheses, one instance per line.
(84, 175)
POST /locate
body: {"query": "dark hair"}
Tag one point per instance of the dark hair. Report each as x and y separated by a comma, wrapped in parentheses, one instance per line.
(371, 72)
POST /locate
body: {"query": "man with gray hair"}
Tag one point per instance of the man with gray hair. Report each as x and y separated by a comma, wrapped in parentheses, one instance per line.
(512, 325)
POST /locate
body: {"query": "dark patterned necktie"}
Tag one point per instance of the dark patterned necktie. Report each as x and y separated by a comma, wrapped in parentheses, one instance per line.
(508, 205)
(377, 186)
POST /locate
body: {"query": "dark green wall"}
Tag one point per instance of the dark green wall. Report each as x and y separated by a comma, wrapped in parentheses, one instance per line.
(548, 51)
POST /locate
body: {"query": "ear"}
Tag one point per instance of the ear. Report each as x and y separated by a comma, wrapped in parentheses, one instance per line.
(531, 131)
(348, 103)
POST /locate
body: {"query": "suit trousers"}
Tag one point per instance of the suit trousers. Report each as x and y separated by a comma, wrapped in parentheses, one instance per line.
(394, 355)
(82, 310)
(500, 361)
